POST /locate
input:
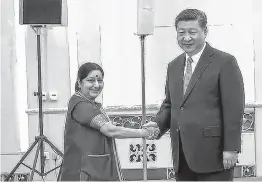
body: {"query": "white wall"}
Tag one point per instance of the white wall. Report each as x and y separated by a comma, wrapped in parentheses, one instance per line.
(120, 53)
(257, 22)
(9, 125)
(121, 48)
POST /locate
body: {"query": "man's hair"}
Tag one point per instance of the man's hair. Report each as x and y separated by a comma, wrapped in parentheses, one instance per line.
(192, 14)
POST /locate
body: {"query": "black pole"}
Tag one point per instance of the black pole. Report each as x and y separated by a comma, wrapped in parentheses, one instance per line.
(40, 99)
(35, 161)
(142, 39)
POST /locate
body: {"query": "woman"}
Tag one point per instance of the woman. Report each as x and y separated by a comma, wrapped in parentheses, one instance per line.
(89, 146)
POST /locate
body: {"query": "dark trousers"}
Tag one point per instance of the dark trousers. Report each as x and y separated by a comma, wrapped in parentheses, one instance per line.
(186, 174)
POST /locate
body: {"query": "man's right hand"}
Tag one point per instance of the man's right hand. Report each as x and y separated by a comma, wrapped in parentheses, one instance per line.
(152, 125)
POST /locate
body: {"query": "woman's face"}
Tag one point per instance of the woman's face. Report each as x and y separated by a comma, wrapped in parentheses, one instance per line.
(92, 85)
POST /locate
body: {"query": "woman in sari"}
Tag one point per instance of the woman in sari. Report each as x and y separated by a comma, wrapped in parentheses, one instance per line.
(89, 146)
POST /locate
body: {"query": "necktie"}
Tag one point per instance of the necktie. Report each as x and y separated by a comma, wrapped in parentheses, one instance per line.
(188, 73)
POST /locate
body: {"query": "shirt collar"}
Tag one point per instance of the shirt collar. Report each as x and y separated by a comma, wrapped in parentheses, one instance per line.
(196, 57)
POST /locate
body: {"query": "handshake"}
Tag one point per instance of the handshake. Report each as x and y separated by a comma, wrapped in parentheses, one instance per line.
(153, 130)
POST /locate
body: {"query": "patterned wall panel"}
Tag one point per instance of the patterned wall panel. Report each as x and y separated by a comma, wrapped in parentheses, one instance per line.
(136, 152)
(248, 171)
(248, 121)
(133, 119)
(171, 173)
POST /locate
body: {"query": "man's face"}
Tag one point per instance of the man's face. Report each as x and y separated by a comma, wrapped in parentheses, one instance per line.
(190, 36)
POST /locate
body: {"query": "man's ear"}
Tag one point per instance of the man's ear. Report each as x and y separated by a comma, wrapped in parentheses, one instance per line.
(206, 31)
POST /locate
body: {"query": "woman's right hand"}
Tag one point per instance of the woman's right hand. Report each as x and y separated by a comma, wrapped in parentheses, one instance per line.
(111, 130)
(152, 132)
(152, 126)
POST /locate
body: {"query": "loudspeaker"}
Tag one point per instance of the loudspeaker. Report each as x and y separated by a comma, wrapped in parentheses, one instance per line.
(43, 12)
(145, 17)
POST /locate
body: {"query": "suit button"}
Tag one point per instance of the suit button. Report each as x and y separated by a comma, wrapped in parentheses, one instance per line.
(181, 109)
(177, 130)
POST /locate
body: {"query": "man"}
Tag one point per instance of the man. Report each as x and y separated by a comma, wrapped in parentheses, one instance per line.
(204, 105)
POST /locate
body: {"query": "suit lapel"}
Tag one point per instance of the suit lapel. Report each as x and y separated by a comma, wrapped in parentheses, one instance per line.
(202, 64)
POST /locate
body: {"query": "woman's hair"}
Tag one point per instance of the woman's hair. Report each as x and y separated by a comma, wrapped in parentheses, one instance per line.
(84, 70)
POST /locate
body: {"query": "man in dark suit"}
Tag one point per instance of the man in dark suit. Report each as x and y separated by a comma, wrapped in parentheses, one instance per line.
(204, 105)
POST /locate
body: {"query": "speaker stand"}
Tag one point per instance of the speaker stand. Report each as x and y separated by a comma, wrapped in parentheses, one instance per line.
(142, 41)
(41, 139)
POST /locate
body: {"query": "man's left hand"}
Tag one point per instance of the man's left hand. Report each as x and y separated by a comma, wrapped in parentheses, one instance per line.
(229, 159)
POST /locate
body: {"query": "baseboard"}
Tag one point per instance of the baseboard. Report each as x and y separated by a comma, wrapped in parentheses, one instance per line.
(16, 177)
(168, 173)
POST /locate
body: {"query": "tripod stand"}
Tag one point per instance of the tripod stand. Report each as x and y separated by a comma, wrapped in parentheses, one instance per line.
(39, 140)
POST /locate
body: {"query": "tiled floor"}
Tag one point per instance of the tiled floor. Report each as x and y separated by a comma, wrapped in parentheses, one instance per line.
(236, 179)
(249, 179)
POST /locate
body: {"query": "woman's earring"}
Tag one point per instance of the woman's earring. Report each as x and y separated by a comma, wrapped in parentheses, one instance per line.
(78, 85)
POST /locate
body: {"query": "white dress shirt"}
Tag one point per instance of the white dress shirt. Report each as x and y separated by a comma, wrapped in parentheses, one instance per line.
(195, 59)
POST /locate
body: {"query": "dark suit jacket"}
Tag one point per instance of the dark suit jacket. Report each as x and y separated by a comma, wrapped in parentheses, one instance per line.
(209, 115)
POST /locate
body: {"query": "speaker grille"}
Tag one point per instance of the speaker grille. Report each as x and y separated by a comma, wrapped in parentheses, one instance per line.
(42, 11)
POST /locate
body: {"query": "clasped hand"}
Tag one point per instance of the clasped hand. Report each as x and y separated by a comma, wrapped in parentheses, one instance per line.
(152, 129)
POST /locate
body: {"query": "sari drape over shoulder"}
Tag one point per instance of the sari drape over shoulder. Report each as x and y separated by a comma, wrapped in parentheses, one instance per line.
(89, 155)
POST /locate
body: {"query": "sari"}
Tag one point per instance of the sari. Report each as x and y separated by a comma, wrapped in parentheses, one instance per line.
(89, 155)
